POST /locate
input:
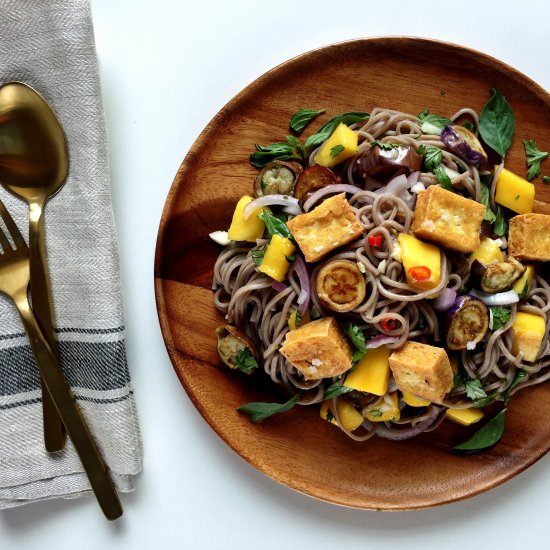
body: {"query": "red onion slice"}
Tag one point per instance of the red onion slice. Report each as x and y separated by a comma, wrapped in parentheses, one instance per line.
(400, 434)
(279, 287)
(290, 203)
(305, 294)
(380, 340)
(500, 299)
(445, 300)
(328, 190)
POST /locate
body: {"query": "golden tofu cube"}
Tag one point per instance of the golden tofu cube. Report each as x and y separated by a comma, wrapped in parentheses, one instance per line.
(465, 417)
(318, 349)
(529, 330)
(423, 370)
(326, 227)
(448, 219)
(350, 417)
(372, 372)
(529, 237)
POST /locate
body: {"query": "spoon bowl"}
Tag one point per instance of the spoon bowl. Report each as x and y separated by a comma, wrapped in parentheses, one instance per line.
(34, 163)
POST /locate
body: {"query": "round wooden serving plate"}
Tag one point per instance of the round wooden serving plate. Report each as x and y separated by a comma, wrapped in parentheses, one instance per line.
(297, 448)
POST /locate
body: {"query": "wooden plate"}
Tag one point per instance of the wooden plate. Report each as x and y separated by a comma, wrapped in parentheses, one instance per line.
(298, 449)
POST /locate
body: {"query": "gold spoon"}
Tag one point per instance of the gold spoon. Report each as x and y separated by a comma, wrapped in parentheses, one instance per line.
(33, 166)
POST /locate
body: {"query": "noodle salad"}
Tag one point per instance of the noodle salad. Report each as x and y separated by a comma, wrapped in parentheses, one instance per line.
(388, 271)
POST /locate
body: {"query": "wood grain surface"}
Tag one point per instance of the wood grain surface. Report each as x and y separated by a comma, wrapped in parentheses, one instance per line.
(297, 448)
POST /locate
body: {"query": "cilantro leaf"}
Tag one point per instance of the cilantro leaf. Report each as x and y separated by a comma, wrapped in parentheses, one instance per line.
(245, 361)
(336, 150)
(497, 123)
(500, 316)
(474, 390)
(334, 390)
(534, 158)
(274, 225)
(385, 145)
(486, 436)
(300, 119)
(326, 130)
(261, 411)
(376, 413)
(355, 334)
(281, 150)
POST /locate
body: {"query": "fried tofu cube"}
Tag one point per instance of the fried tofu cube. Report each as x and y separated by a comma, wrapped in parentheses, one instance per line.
(423, 370)
(318, 349)
(326, 227)
(448, 219)
(529, 237)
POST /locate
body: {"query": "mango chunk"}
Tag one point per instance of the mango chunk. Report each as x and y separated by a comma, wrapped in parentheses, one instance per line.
(529, 330)
(381, 411)
(372, 373)
(464, 416)
(341, 145)
(245, 230)
(275, 263)
(292, 320)
(416, 255)
(351, 419)
(514, 192)
(523, 285)
(414, 401)
(488, 252)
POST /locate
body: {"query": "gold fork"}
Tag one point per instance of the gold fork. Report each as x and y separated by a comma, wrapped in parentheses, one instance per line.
(14, 281)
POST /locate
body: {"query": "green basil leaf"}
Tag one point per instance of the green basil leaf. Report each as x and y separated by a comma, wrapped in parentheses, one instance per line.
(336, 150)
(501, 225)
(545, 179)
(534, 158)
(500, 316)
(300, 119)
(261, 411)
(489, 216)
(258, 255)
(326, 130)
(497, 123)
(432, 158)
(486, 436)
(444, 179)
(432, 124)
(245, 361)
(519, 377)
(355, 334)
(474, 390)
(281, 150)
(334, 390)
(274, 225)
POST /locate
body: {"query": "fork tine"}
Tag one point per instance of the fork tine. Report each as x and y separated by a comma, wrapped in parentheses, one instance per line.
(4, 243)
(12, 228)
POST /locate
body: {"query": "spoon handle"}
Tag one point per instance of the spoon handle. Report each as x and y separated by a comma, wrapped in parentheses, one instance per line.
(54, 434)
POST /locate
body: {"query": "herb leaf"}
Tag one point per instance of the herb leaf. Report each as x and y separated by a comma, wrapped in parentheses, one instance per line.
(489, 216)
(334, 390)
(486, 436)
(432, 158)
(281, 150)
(497, 123)
(327, 129)
(501, 225)
(274, 225)
(534, 158)
(300, 119)
(258, 255)
(443, 178)
(336, 150)
(545, 179)
(245, 361)
(385, 145)
(500, 316)
(519, 377)
(474, 390)
(355, 334)
(432, 124)
(261, 411)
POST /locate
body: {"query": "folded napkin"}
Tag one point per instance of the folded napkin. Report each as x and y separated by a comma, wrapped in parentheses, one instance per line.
(50, 46)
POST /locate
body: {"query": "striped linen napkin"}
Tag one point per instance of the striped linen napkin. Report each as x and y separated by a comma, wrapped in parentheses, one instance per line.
(50, 46)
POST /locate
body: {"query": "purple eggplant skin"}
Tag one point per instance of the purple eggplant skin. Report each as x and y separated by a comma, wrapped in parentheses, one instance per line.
(466, 322)
(464, 143)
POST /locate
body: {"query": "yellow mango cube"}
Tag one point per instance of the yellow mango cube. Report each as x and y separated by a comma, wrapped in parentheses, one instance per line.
(275, 263)
(523, 285)
(414, 401)
(529, 330)
(422, 262)
(341, 145)
(350, 417)
(464, 416)
(514, 192)
(372, 372)
(384, 412)
(245, 230)
(488, 252)
(293, 325)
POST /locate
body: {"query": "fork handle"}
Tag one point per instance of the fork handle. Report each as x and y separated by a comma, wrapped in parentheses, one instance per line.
(75, 425)
(42, 304)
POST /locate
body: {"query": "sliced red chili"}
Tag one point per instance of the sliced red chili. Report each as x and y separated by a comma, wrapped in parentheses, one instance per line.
(375, 240)
(420, 273)
(389, 324)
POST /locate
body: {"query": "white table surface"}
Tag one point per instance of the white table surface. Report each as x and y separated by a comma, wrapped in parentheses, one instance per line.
(167, 67)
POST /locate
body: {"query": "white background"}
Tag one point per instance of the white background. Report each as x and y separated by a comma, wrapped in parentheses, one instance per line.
(167, 67)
